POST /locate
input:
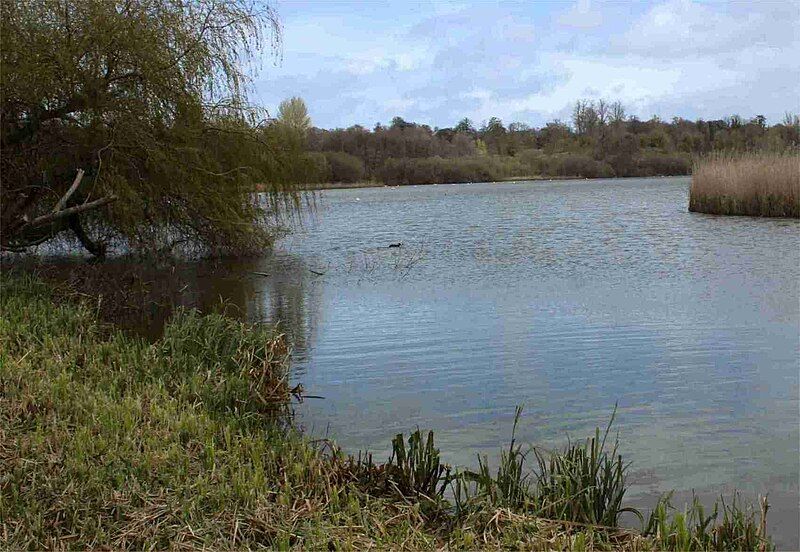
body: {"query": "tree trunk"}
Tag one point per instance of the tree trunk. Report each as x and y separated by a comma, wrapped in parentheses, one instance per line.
(96, 248)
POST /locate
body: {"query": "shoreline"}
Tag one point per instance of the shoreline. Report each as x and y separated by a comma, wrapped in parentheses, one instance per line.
(206, 460)
(504, 180)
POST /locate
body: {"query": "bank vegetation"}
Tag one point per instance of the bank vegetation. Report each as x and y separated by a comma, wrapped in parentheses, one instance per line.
(601, 140)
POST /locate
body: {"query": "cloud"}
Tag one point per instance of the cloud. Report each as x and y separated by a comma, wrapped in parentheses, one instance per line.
(680, 27)
(582, 15)
(530, 62)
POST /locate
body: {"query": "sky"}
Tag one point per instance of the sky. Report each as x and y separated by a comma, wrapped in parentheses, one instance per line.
(438, 62)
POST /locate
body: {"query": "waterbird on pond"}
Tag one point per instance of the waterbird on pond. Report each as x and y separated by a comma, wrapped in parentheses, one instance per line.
(398, 244)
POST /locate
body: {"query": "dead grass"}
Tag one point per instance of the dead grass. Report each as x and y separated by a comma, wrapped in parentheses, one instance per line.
(761, 184)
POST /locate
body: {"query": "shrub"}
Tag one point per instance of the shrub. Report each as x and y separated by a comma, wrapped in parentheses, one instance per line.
(534, 161)
(582, 165)
(437, 170)
(662, 164)
(316, 167)
(344, 167)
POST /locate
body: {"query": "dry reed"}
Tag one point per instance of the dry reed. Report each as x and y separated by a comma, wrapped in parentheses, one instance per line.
(762, 184)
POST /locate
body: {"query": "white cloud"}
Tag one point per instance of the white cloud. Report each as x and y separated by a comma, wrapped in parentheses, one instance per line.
(607, 78)
(582, 15)
(439, 64)
(682, 27)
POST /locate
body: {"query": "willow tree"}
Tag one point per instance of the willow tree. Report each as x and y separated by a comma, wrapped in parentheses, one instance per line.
(129, 120)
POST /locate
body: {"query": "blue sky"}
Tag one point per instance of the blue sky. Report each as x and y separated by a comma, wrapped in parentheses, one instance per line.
(437, 62)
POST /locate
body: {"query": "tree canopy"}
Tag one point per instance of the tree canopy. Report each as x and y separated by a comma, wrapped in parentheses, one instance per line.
(294, 114)
(601, 140)
(150, 99)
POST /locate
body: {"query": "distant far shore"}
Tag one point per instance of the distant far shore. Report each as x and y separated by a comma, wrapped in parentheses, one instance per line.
(375, 184)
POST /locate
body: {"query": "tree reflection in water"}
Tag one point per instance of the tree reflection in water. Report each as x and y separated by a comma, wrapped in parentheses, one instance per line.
(141, 297)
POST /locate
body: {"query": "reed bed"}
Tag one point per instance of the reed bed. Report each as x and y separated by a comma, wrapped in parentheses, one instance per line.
(761, 184)
(110, 441)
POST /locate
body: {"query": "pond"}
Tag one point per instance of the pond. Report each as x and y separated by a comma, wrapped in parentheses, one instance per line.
(566, 297)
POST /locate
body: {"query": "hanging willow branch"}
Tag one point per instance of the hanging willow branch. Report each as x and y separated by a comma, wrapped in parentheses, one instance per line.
(151, 98)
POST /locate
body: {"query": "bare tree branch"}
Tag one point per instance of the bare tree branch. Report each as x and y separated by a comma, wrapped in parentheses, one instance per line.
(63, 201)
(52, 217)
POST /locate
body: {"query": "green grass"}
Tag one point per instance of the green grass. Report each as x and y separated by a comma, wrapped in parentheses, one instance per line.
(692, 529)
(583, 483)
(107, 440)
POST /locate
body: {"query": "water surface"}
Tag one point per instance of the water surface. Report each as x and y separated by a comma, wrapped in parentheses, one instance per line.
(567, 297)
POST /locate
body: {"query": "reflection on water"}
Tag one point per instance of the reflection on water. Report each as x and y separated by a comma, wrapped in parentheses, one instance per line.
(566, 297)
(271, 289)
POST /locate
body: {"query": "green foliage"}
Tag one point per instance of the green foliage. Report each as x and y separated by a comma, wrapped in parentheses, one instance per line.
(245, 369)
(439, 170)
(465, 126)
(582, 483)
(318, 169)
(344, 167)
(126, 433)
(660, 164)
(582, 165)
(293, 114)
(150, 99)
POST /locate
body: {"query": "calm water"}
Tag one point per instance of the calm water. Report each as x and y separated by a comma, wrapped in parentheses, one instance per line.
(567, 297)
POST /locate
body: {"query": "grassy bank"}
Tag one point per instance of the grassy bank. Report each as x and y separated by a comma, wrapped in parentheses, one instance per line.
(110, 441)
(759, 184)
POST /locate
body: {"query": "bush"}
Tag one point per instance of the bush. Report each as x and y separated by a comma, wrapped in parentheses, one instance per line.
(584, 166)
(663, 164)
(316, 167)
(534, 161)
(436, 170)
(344, 167)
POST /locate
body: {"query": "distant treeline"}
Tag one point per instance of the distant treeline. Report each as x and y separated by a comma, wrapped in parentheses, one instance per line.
(600, 141)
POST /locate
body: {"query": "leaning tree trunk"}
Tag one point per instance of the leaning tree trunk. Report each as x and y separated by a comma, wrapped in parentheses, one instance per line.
(20, 230)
